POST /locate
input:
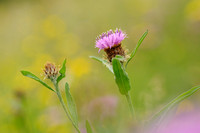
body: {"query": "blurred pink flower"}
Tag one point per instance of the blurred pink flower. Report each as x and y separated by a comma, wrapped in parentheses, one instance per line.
(184, 123)
(102, 107)
(187, 122)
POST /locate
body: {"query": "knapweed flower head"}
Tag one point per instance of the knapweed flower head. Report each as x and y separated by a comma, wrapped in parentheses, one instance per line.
(109, 39)
(50, 71)
(110, 42)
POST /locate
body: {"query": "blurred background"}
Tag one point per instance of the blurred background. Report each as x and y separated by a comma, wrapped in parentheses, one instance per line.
(33, 32)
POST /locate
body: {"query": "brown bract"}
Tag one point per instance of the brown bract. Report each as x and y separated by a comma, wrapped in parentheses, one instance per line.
(113, 51)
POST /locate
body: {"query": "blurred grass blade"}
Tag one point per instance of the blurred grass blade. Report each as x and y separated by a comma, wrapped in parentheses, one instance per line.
(30, 75)
(62, 72)
(88, 127)
(137, 46)
(71, 105)
(106, 63)
(121, 77)
(175, 101)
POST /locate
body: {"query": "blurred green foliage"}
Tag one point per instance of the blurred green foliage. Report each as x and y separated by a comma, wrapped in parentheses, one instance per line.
(33, 32)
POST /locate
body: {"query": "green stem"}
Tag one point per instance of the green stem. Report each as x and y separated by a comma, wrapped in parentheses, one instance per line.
(128, 97)
(64, 106)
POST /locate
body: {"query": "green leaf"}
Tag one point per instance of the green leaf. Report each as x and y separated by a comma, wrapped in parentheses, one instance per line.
(106, 63)
(137, 46)
(121, 77)
(174, 102)
(71, 105)
(62, 72)
(88, 127)
(30, 75)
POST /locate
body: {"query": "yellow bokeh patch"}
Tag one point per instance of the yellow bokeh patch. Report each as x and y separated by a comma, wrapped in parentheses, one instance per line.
(193, 10)
(80, 67)
(53, 26)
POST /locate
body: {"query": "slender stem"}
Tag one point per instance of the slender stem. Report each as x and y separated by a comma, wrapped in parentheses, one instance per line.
(128, 97)
(64, 106)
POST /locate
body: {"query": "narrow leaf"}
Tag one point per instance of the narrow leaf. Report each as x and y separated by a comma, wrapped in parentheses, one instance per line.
(175, 101)
(71, 105)
(62, 72)
(121, 77)
(88, 127)
(104, 62)
(137, 46)
(30, 75)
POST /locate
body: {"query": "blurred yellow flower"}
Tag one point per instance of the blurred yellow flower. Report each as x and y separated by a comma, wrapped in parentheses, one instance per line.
(193, 10)
(53, 26)
(80, 67)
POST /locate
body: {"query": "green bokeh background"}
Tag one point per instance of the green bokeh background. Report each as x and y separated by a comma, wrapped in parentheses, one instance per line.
(33, 32)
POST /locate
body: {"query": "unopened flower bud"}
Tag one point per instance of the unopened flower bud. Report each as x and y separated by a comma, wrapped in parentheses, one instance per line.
(50, 71)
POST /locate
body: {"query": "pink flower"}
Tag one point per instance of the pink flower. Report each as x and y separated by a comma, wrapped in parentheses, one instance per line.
(109, 39)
